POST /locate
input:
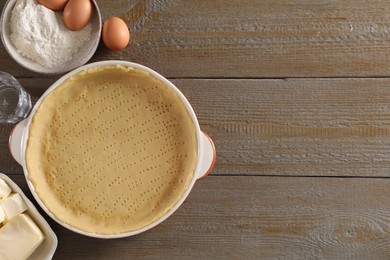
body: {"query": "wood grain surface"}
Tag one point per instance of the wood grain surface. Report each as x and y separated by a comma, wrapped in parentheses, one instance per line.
(271, 217)
(307, 127)
(250, 38)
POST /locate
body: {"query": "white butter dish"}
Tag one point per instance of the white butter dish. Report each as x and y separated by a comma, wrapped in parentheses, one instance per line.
(49, 245)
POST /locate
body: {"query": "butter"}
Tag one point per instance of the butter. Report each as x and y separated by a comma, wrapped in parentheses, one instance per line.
(13, 205)
(5, 190)
(2, 216)
(19, 238)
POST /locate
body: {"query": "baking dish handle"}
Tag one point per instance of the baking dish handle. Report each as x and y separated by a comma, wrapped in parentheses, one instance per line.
(15, 143)
(209, 156)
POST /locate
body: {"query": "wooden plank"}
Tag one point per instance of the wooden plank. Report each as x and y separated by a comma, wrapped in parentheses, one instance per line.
(263, 217)
(302, 127)
(7, 164)
(306, 127)
(246, 38)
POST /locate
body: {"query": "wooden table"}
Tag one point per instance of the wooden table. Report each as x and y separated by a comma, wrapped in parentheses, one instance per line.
(295, 94)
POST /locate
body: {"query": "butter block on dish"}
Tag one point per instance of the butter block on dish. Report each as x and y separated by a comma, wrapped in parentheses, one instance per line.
(5, 190)
(13, 205)
(19, 237)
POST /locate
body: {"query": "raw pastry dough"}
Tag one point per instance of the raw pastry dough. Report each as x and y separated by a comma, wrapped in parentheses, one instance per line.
(111, 150)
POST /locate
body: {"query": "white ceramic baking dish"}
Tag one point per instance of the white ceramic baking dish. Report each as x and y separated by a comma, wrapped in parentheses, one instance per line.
(49, 245)
(206, 148)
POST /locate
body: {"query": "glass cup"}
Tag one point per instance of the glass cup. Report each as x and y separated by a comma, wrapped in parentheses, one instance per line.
(15, 102)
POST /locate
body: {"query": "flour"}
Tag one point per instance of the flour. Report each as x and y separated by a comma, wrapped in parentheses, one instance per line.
(39, 34)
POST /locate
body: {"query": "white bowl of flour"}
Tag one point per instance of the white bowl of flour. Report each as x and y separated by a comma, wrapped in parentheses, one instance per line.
(37, 39)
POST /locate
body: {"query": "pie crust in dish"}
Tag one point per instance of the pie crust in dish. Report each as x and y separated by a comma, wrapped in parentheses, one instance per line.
(111, 150)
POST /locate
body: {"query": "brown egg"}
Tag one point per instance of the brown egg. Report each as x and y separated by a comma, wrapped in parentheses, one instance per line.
(115, 34)
(77, 14)
(55, 5)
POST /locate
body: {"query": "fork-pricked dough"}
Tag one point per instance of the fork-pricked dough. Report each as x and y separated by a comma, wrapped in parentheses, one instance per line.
(111, 150)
